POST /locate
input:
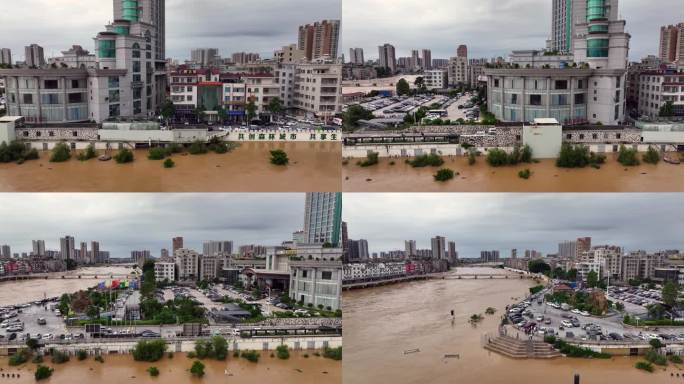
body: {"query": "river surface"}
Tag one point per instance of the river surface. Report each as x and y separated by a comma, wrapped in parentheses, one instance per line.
(382, 323)
(546, 177)
(24, 291)
(123, 369)
(314, 166)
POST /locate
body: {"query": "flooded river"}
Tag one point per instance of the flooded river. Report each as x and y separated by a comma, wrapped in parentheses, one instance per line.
(23, 291)
(546, 177)
(382, 323)
(118, 369)
(314, 166)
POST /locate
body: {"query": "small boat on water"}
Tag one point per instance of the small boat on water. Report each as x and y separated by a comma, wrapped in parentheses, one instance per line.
(672, 158)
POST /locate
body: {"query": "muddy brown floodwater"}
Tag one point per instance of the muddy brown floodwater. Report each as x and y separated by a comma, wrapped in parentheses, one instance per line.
(381, 323)
(118, 369)
(546, 177)
(32, 290)
(314, 166)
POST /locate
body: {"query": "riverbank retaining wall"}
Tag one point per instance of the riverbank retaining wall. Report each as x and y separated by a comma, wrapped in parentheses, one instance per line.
(186, 345)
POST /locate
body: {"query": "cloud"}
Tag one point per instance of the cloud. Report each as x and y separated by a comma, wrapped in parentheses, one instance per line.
(126, 222)
(490, 28)
(491, 221)
(232, 26)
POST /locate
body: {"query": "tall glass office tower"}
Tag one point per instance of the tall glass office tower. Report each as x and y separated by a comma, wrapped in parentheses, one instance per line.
(323, 218)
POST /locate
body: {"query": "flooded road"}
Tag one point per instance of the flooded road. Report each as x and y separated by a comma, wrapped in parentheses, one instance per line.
(546, 177)
(382, 323)
(122, 368)
(314, 166)
(20, 292)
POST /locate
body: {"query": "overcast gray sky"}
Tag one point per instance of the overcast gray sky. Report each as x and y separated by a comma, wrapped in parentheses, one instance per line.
(231, 25)
(126, 222)
(490, 28)
(493, 221)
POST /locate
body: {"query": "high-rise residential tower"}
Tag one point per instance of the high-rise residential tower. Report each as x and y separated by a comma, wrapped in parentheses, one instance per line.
(356, 56)
(323, 218)
(38, 247)
(387, 57)
(67, 248)
(34, 55)
(427, 59)
(177, 243)
(561, 26)
(6, 56)
(319, 39)
(410, 248)
(438, 247)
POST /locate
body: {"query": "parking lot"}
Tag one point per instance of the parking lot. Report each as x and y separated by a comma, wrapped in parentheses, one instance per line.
(454, 113)
(29, 318)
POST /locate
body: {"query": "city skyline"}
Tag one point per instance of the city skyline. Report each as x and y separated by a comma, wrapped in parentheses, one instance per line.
(493, 221)
(442, 26)
(263, 219)
(260, 27)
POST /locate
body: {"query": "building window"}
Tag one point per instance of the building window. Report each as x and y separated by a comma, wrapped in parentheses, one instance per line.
(326, 275)
(51, 84)
(535, 99)
(113, 82)
(561, 84)
(496, 83)
(579, 98)
(28, 98)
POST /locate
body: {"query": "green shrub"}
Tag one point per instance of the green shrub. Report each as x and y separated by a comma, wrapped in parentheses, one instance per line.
(170, 355)
(431, 160)
(124, 156)
(215, 348)
(578, 156)
(472, 159)
(20, 357)
(627, 157)
(283, 352)
(197, 369)
(250, 355)
(99, 359)
(153, 371)
(444, 174)
(525, 174)
(643, 365)
(59, 357)
(149, 350)
(174, 148)
(38, 359)
(88, 153)
(497, 157)
(60, 153)
(371, 159)
(81, 354)
(676, 359)
(654, 357)
(198, 148)
(191, 355)
(169, 163)
(652, 156)
(43, 372)
(333, 353)
(158, 153)
(16, 151)
(279, 157)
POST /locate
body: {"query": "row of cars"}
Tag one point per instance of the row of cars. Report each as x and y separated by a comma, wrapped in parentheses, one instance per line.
(637, 296)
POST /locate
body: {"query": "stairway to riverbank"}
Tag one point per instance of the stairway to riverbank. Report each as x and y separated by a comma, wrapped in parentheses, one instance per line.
(521, 349)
